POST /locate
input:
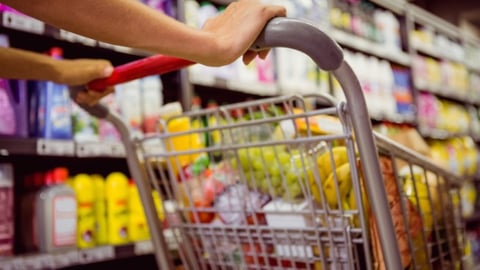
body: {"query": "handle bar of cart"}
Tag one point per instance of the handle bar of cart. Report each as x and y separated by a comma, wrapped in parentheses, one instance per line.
(279, 32)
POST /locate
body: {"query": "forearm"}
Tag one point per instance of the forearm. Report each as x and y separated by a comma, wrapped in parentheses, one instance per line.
(20, 64)
(123, 22)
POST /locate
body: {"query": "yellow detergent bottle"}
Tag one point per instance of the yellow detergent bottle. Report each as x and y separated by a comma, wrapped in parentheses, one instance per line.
(85, 192)
(137, 225)
(116, 194)
(101, 237)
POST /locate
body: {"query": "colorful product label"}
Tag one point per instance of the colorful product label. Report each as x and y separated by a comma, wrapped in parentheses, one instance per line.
(64, 221)
(86, 225)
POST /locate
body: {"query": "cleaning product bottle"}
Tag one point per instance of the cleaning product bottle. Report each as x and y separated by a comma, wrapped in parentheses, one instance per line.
(116, 194)
(101, 237)
(33, 183)
(58, 111)
(7, 113)
(55, 213)
(6, 208)
(137, 225)
(85, 192)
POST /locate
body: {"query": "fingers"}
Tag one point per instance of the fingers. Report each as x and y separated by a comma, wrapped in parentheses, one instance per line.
(248, 57)
(90, 97)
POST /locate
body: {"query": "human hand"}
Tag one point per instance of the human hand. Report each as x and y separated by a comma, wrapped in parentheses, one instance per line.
(82, 71)
(237, 28)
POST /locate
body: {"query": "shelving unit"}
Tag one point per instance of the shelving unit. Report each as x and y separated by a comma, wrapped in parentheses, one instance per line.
(76, 257)
(189, 82)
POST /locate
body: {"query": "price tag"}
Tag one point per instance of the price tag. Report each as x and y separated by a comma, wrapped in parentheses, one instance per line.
(22, 22)
(142, 248)
(65, 259)
(117, 150)
(72, 37)
(93, 149)
(96, 254)
(55, 147)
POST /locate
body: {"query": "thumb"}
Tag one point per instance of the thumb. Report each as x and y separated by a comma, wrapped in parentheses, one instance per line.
(105, 70)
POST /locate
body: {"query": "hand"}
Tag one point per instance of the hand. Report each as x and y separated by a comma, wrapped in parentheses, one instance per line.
(237, 28)
(81, 72)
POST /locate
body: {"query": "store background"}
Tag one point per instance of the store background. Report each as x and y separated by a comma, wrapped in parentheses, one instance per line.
(432, 88)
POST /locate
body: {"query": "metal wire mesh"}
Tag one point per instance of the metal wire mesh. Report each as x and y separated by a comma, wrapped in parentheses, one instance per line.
(273, 185)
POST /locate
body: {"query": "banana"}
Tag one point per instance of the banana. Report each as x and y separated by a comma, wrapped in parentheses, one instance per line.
(324, 161)
(344, 179)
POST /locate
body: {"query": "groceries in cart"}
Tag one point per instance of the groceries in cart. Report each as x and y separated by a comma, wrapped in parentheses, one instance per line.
(283, 186)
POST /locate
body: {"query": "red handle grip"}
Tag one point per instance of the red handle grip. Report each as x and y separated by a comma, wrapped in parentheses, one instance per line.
(152, 65)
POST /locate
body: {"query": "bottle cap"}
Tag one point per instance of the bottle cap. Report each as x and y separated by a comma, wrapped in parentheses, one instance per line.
(60, 175)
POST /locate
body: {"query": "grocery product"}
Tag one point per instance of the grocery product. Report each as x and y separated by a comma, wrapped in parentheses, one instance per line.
(101, 236)
(116, 195)
(6, 208)
(402, 233)
(84, 188)
(55, 219)
(137, 223)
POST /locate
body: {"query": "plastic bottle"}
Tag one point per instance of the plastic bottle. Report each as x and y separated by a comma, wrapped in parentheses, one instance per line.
(6, 208)
(33, 183)
(7, 113)
(101, 237)
(116, 194)
(152, 100)
(57, 107)
(137, 225)
(179, 143)
(56, 213)
(84, 188)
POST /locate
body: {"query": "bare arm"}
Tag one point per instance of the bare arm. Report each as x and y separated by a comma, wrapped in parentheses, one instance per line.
(21, 64)
(26, 65)
(131, 23)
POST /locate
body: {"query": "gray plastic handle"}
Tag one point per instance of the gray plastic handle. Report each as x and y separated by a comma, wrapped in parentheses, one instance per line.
(302, 36)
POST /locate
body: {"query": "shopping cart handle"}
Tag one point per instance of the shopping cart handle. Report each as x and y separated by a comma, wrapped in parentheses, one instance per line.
(303, 36)
(152, 65)
(279, 32)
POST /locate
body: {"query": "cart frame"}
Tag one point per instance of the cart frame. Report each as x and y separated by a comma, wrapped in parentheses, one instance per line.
(279, 32)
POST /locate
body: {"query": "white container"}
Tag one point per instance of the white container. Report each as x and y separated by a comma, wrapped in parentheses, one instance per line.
(56, 214)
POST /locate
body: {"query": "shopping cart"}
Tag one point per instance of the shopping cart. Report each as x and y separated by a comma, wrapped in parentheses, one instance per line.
(288, 187)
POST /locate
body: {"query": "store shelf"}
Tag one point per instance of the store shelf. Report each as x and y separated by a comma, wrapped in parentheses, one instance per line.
(369, 47)
(397, 118)
(434, 52)
(439, 134)
(443, 92)
(256, 88)
(76, 257)
(62, 148)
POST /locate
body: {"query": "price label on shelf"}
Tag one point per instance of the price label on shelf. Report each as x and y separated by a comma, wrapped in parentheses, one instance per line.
(55, 147)
(97, 254)
(72, 37)
(118, 150)
(22, 22)
(93, 149)
(142, 248)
